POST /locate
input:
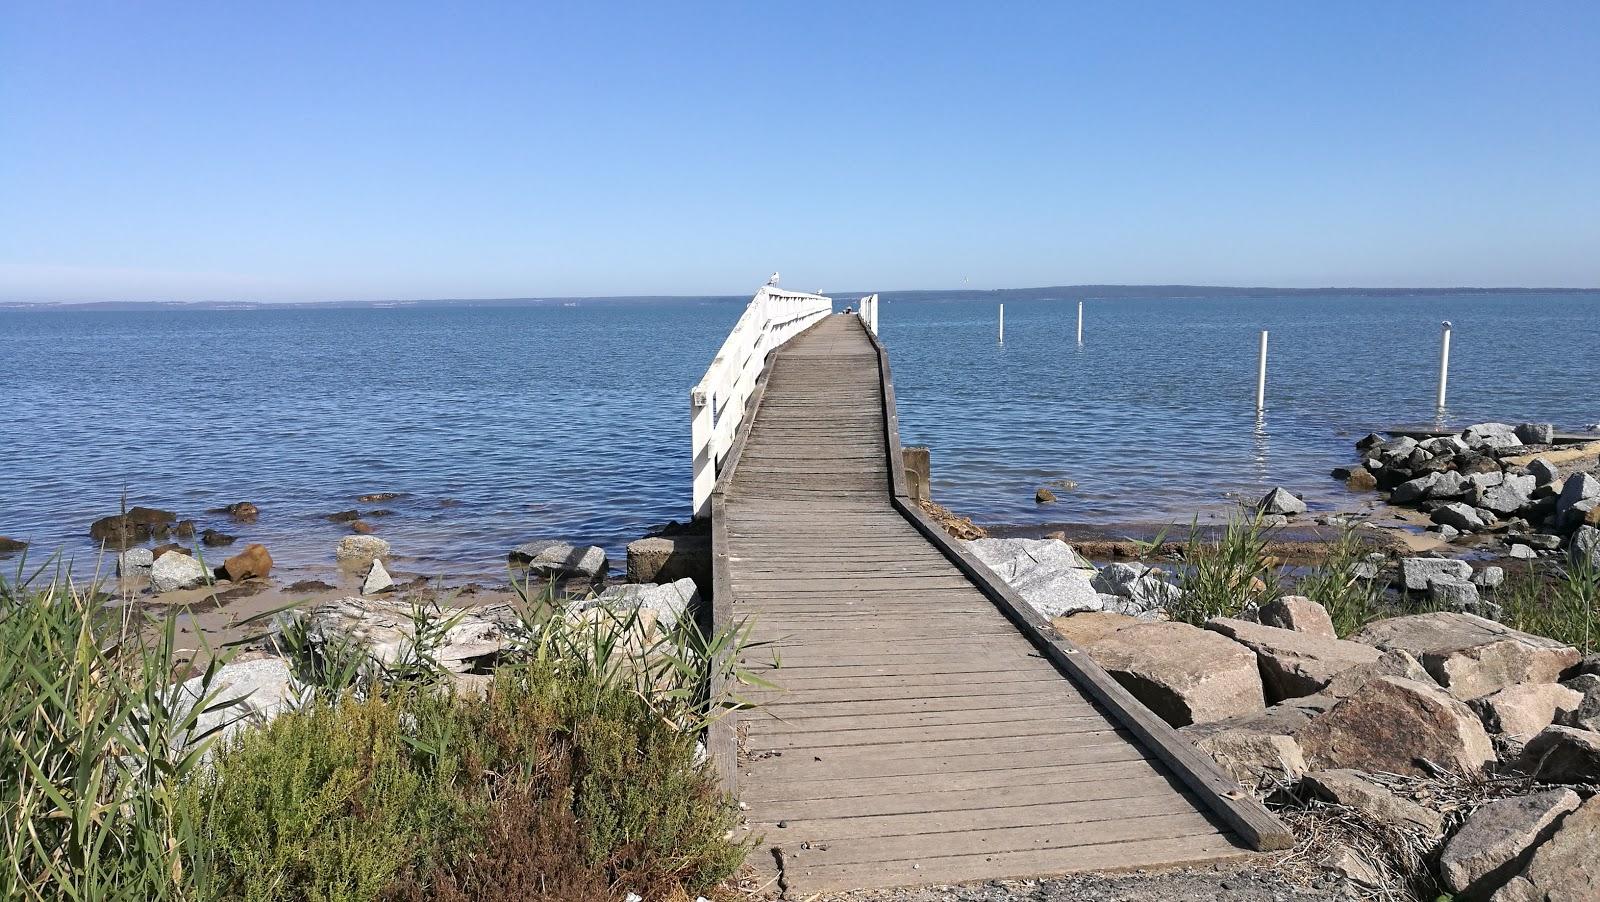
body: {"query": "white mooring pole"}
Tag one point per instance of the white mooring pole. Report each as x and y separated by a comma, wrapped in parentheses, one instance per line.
(1444, 363)
(1080, 322)
(1261, 375)
(1002, 324)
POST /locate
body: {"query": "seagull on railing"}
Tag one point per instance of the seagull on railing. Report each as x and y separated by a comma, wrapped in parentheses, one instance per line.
(772, 279)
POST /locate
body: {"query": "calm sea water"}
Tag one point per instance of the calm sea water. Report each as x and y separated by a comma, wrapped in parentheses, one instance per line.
(502, 425)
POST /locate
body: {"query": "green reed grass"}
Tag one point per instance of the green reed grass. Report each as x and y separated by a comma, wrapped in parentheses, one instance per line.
(1225, 575)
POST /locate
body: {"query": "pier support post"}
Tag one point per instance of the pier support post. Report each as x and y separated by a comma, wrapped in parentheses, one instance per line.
(1261, 375)
(1080, 322)
(1002, 324)
(1444, 362)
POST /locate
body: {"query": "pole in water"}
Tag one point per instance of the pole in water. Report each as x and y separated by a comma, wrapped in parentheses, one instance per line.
(1080, 322)
(1002, 323)
(1444, 362)
(1261, 375)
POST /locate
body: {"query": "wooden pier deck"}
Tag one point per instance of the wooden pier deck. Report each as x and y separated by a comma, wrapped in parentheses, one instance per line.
(928, 726)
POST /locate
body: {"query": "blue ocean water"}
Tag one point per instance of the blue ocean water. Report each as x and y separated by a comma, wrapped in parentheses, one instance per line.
(505, 424)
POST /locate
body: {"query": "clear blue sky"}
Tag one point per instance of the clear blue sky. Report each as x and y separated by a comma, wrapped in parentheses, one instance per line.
(287, 151)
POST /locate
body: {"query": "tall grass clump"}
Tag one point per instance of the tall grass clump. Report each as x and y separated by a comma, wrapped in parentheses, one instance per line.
(1563, 605)
(1351, 598)
(94, 748)
(1225, 575)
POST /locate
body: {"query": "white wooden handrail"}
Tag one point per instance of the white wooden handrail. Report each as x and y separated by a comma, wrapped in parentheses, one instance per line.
(868, 311)
(717, 403)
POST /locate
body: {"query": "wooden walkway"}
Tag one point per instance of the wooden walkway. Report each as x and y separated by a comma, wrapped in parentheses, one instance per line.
(924, 731)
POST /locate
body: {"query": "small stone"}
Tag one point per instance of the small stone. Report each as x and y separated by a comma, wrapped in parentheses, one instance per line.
(243, 511)
(358, 551)
(1044, 496)
(134, 561)
(1543, 471)
(1453, 594)
(176, 570)
(1352, 790)
(1298, 613)
(377, 580)
(1522, 552)
(560, 560)
(1490, 577)
(254, 562)
(1361, 480)
(1280, 501)
(1417, 571)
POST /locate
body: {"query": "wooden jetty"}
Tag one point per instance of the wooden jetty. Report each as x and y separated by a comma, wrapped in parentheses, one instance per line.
(928, 726)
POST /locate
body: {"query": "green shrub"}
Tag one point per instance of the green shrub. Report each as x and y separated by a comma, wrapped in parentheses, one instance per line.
(330, 802)
(94, 747)
(1563, 605)
(1352, 600)
(1225, 576)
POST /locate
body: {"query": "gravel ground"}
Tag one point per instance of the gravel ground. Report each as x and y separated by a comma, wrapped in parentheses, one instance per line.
(1222, 884)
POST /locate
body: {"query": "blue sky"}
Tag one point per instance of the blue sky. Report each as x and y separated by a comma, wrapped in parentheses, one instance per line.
(279, 151)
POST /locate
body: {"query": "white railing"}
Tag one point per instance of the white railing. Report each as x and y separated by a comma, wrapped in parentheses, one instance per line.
(717, 404)
(868, 311)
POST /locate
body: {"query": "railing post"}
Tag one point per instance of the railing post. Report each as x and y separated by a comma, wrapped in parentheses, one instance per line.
(702, 416)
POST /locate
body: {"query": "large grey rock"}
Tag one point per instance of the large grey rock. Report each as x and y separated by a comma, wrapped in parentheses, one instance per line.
(1390, 724)
(134, 561)
(1280, 501)
(1563, 755)
(1578, 488)
(176, 570)
(669, 602)
(1417, 571)
(1543, 471)
(255, 692)
(1469, 655)
(1565, 867)
(1585, 546)
(1490, 577)
(1414, 490)
(1454, 595)
(560, 560)
(1491, 435)
(360, 551)
(1183, 673)
(1536, 433)
(1353, 790)
(1144, 586)
(1495, 843)
(1458, 515)
(385, 631)
(1292, 663)
(1505, 499)
(1520, 712)
(1048, 575)
(1586, 715)
(1298, 613)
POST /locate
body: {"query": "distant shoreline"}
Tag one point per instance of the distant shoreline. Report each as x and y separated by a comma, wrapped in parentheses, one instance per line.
(1072, 292)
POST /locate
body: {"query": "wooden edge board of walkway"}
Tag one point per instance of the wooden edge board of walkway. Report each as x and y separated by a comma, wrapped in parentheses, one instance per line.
(1238, 808)
(810, 588)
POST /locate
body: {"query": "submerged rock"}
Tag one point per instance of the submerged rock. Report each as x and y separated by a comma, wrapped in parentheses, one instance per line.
(137, 525)
(9, 545)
